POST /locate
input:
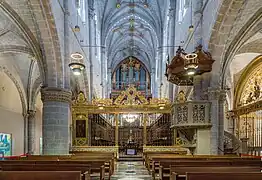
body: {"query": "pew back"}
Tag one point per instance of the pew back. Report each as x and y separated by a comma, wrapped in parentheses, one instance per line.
(39, 175)
(224, 176)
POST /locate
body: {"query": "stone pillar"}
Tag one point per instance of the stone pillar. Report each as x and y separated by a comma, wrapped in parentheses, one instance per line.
(153, 83)
(205, 83)
(25, 115)
(197, 87)
(160, 71)
(116, 116)
(197, 16)
(31, 131)
(67, 31)
(231, 122)
(103, 71)
(56, 112)
(217, 97)
(145, 119)
(109, 82)
(91, 14)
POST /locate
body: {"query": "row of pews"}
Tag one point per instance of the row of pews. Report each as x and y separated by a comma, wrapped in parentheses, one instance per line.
(80, 166)
(169, 166)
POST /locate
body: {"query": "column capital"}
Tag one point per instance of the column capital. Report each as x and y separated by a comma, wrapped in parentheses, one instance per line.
(216, 94)
(55, 94)
(31, 113)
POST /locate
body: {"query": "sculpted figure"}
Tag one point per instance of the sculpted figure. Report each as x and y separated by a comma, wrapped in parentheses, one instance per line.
(181, 97)
(256, 90)
(249, 98)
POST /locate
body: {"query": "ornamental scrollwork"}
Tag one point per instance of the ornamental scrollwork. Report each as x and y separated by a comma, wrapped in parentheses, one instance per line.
(252, 90)
(198, 113)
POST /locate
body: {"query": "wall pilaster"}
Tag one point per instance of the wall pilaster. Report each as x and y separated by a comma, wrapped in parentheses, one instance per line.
(56, 112)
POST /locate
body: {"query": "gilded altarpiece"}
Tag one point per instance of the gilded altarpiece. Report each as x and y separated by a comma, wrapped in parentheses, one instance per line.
(248, 106)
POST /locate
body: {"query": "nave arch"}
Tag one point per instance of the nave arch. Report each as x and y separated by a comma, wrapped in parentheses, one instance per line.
(11, 110)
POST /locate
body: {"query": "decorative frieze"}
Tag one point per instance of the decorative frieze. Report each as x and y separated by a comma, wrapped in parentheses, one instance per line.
(55, 94)
(95, 148)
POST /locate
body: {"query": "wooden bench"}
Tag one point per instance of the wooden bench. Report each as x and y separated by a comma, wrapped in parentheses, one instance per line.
(108, 158)
(224, 176)
(39, 175)
(166, 163)
(153, 156)
(179, 173)
(94, 167)
(82, 168)
(96, 163)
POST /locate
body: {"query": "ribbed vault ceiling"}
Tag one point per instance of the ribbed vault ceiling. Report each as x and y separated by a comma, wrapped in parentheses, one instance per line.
(134, 28)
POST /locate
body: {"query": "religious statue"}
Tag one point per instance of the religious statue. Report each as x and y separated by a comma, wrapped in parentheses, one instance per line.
(249, 98)
(181, 97)
(256, 90)
(81, 97)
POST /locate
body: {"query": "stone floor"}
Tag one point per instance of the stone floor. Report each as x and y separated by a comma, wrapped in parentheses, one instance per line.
(131, 171)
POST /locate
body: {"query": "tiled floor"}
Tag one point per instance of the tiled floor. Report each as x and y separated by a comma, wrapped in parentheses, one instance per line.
(131, 171)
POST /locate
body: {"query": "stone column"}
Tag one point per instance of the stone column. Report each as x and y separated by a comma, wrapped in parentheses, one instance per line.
(217, 97)
(197, 16)
(25, 115)
(231, 122)
(109, 82)
(222, 99)
(145, 119)
(91, 14)
(103, 71)
(31, 131)
(116, 129)
(56, 112)
(160, 71)
(197, 87)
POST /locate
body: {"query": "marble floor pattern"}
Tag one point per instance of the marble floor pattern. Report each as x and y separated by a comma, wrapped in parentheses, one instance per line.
(131, 171)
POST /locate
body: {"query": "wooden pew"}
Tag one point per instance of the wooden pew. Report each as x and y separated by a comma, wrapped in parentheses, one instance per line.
(179, 173)
(92, 167)
(224, 176)
(165, 163)
(107, 157)
(82, 168)
(96, 161)
(40, 175)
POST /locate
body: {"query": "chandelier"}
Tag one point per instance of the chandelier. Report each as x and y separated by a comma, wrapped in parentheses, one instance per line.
(191, 63)
(183, 67)
(76, 64)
